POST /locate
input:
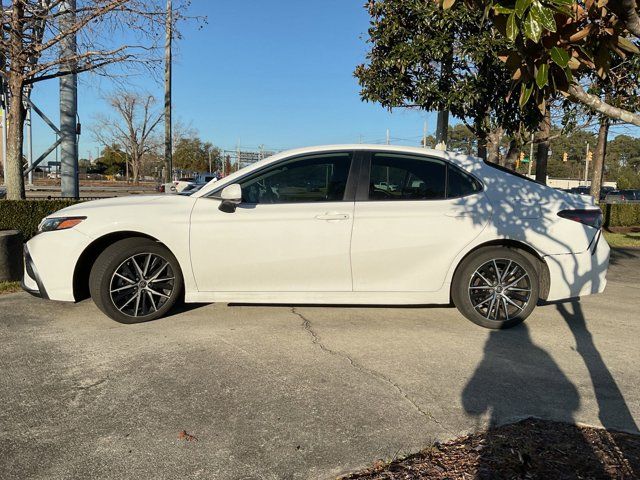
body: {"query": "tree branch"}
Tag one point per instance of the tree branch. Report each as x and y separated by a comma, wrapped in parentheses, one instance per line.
(577, 93)
(627, 10)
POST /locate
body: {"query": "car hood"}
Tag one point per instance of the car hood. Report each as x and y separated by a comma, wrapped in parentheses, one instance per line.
(120, 204)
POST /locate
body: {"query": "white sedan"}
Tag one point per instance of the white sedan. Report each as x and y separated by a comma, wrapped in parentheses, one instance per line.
(313, 226)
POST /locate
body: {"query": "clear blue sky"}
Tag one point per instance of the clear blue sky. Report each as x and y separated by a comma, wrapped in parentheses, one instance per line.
(278, 74)
(273, 73)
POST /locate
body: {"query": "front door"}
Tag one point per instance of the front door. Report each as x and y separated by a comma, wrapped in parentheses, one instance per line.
(291, 233)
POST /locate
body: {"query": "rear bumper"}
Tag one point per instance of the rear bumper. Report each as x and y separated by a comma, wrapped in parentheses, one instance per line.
(577, 274)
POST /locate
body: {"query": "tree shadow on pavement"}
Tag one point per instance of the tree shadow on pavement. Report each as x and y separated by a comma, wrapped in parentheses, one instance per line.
(517, 379)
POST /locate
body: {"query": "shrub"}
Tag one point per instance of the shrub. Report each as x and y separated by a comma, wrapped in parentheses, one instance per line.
(25, 215)
(621, 214)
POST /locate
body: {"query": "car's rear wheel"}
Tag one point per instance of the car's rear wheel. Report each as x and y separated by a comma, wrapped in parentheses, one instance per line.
(496, 287)
(135, 280)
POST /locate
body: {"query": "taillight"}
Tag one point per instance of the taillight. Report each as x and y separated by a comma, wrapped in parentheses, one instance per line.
(592, 218)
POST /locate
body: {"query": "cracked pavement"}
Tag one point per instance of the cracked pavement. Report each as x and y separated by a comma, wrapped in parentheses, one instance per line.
(279, 392)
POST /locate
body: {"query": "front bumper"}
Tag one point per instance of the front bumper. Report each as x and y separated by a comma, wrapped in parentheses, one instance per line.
(577, 274)
(31, 282)
(49, 263)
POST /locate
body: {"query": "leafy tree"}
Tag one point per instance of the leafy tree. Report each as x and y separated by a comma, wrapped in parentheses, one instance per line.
(425, 57)
(461, 139)
(624, 152)
(192, 154)
(556, 45)
(112, 161)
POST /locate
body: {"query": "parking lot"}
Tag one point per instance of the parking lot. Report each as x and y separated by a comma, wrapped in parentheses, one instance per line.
(307, 392)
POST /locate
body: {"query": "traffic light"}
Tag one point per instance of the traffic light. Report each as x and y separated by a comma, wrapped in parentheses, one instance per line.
(520, 159)
(565, 156)
(590, 156)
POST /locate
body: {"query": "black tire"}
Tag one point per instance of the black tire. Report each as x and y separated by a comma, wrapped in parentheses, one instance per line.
(476, 299)
(113, 270)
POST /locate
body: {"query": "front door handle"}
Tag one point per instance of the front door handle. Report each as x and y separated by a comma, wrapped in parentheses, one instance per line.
(332, 216)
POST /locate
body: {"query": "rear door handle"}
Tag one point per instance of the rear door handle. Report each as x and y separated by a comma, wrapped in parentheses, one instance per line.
(332, 216)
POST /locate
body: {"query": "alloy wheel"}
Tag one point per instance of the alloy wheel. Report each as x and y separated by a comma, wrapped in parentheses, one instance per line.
(500, 289)
(142, 284)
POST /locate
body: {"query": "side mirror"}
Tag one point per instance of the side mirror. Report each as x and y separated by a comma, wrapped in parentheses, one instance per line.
(231, 196)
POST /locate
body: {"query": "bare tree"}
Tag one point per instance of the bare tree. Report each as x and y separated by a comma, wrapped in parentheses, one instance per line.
(31, 35)
(132, 127)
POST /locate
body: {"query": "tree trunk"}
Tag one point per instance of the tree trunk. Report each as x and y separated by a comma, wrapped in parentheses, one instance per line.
(15, 140)
(542, 154)
(482, 148)
(598, 158)
(493, 145)
(511, 157)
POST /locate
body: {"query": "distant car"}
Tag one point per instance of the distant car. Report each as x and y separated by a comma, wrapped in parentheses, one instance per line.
(456, 230)
(623, 196)
(580, 190)
(182, 183)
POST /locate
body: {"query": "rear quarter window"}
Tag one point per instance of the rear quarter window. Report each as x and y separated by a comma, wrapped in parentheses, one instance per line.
(461, 184)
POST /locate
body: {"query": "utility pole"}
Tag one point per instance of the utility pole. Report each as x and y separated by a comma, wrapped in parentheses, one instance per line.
(29, 146)
(586, 165)
(3, 111)
(531, 154)
(168, 160)
(209, 160)
(424, 135)
(69, 104)
(388, 137)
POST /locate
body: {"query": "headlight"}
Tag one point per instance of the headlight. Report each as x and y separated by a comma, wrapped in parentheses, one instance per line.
(59, 223)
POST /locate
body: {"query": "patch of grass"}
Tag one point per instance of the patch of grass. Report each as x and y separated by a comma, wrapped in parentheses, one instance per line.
(623, 239)
(9, 287)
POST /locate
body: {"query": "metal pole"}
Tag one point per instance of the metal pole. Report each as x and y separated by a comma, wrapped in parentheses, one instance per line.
(168, 160)
(69, 105)
(4, 137)
(531, 155)
(424, 135)
(586, 165)
(209, 161)
(29, 147)
(388, 137)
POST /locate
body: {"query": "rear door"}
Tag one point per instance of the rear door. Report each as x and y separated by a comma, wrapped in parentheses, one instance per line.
(413, 215)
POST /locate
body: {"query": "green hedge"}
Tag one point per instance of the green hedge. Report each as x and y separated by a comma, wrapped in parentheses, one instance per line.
(621, 214)
(25, 215)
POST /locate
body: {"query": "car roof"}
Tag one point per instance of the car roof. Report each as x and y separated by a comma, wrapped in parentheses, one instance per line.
(461, 160)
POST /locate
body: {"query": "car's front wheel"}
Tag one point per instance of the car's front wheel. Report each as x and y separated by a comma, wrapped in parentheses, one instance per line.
(496, 287)
(135, 280)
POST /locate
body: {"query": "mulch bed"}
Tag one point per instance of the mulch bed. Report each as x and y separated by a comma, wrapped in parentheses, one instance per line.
(530, 449)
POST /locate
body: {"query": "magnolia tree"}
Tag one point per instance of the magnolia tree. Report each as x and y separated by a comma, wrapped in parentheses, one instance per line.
(127, 33)
(560, 46)
(422, 56)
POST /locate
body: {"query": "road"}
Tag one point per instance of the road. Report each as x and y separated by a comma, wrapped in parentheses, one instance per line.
(276, 392)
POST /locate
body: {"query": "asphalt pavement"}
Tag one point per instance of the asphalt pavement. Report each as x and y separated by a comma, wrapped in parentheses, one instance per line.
(275, 392)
